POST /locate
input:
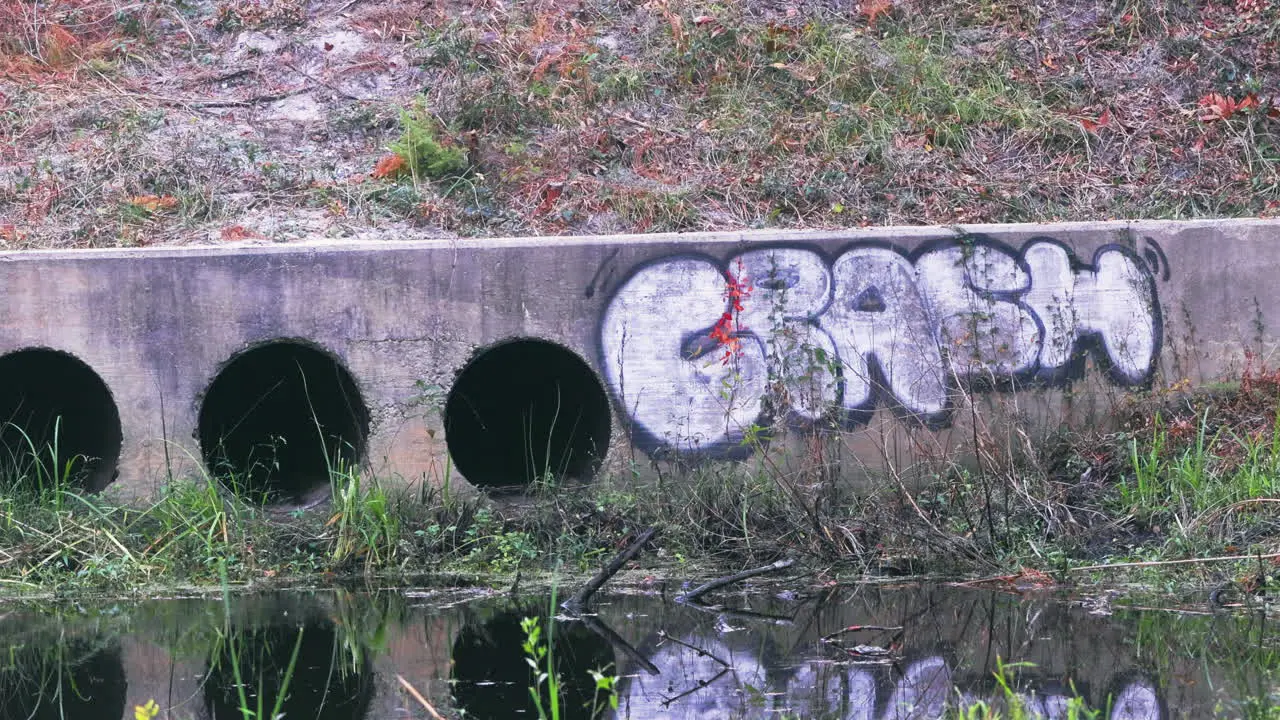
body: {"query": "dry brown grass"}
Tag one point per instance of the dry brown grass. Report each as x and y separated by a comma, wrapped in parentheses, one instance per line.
(601, 116)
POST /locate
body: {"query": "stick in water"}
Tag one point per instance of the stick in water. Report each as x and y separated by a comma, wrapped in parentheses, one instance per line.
(694, 594)
(578, 603)
(418, 696)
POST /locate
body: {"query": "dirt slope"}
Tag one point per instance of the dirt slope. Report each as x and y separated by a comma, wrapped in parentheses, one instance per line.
(150, 122)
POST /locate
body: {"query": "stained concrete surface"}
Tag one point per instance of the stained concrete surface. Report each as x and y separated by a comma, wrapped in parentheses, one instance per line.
(883, 328)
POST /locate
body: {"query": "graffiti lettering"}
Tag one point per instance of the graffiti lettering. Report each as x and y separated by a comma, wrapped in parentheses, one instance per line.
(876, 327)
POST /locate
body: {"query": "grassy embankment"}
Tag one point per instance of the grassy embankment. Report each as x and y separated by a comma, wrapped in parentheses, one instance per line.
(1185, 476)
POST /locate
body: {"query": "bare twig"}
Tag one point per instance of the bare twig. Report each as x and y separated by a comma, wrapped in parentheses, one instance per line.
(418, 696)
(666, 702)
(1190, 561)
(320, 81)
(859, 628)
(652, 128)
(1215, 514)
(662, 634)
(576, 604)
(748, 615)
(701, 590)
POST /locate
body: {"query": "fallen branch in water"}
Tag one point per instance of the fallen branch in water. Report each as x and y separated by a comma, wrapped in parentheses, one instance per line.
(693, 595)
(667, 701)
(747, 615)
(576, 604)
(418, 696)
(664, 637)
(616, 640)
(859, 628)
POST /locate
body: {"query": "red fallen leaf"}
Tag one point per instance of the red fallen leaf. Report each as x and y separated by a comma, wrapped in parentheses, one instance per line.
(1198, 146)
(1093, 125)
(154, 203)
(389, 166)
(550, 194)
(873, 9)
(716, 28)
(232, 233)
(8, 232)
(328, 47)
(1214, 106)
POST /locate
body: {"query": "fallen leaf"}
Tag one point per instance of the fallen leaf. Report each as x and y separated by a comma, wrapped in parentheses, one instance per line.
(1215, 106)
(550, 194)
(873, 9)
(389, 166)
(1102, 121)
(798, 72)
(154, 203)
(232, 233)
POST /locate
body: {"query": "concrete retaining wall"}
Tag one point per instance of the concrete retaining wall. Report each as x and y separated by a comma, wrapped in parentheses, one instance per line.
(246, 357)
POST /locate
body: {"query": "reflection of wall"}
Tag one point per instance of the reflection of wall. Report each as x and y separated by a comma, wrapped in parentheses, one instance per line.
(695, 685)
(950, 642)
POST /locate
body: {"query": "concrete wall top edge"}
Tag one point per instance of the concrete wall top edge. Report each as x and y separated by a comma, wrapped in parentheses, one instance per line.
(909, 232)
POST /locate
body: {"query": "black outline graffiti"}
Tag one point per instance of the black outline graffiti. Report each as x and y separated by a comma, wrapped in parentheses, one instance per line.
(590, 291)
(1154, 255)
(1151, 261)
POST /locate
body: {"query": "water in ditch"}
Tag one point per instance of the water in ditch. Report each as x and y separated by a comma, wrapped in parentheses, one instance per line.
(389, 654)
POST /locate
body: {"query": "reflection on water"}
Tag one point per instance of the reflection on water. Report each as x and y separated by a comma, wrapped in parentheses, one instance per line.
(68, 681)
(917, 652)
(744, 687)
(491, 675)
(300, 671)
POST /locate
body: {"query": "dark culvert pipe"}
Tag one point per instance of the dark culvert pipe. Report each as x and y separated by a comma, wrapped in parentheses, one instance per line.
(58, 423)
(278, 419)
(525, 410)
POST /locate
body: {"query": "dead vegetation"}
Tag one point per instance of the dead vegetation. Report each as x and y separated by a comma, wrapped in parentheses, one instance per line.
(269, 118)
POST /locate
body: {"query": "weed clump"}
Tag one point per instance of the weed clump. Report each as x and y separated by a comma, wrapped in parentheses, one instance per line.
(421, 154)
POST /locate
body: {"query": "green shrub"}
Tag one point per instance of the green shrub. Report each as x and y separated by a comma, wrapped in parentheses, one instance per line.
(422, 153)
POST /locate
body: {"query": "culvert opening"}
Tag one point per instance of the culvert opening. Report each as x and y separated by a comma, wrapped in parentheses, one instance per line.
(277, 419)
(523, 411)
(58, 423)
